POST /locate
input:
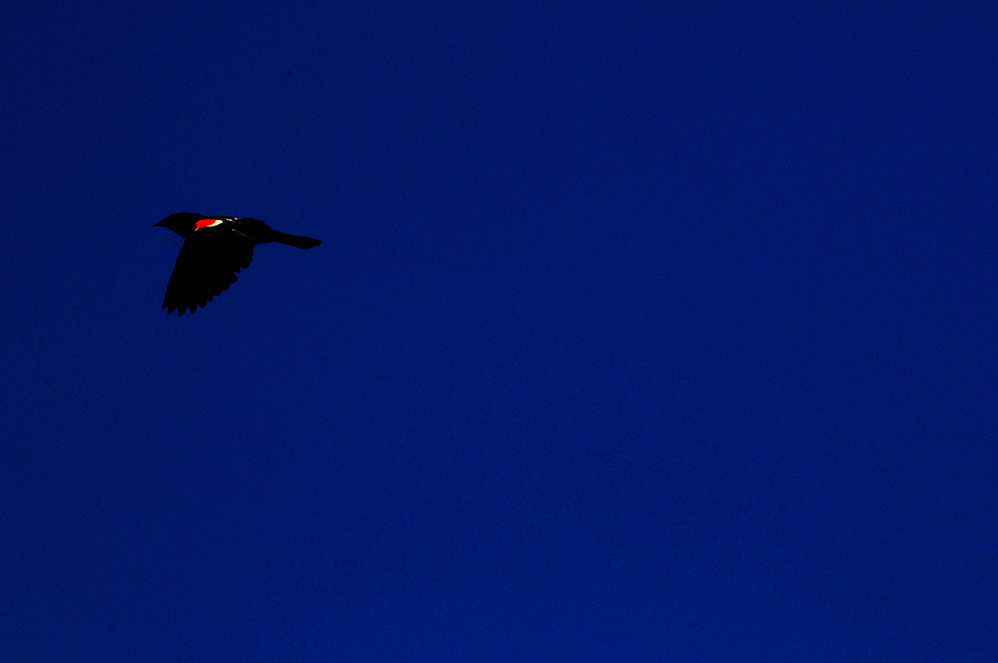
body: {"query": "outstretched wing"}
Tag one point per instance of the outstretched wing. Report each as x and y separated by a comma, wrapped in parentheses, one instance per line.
(206, 267)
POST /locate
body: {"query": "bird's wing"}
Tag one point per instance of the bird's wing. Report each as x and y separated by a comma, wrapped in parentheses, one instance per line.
(206, 266)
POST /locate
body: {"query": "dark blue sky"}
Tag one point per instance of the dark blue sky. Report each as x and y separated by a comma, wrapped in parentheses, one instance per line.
(637, 334)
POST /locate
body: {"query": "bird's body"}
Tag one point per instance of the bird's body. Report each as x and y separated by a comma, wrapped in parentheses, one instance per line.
(214, 249)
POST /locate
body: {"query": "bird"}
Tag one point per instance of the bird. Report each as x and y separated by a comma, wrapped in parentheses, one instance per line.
(214, 249)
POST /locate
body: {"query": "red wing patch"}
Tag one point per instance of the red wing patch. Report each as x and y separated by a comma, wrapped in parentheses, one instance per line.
(206, 223)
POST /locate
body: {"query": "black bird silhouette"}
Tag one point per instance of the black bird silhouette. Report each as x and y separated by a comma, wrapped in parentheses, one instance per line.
(215, 248)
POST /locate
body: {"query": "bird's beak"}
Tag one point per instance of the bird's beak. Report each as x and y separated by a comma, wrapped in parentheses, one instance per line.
(158, 223)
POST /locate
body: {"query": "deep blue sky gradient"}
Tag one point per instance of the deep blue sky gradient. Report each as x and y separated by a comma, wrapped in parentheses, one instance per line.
(638, 333)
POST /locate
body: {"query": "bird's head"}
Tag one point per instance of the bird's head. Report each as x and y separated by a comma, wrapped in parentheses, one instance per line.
(181, 223)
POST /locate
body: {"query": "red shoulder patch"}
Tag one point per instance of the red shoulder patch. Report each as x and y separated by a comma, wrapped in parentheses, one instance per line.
(206, 223)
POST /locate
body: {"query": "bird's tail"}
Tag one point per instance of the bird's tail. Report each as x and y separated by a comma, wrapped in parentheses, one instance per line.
(294, 240)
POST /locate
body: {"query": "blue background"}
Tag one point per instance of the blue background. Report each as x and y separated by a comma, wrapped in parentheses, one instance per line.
(638, 333)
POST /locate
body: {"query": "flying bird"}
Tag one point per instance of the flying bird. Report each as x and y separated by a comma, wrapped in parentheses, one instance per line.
(214, 249)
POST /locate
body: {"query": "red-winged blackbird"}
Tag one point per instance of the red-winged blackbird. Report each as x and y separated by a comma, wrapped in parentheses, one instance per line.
(215, 248)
